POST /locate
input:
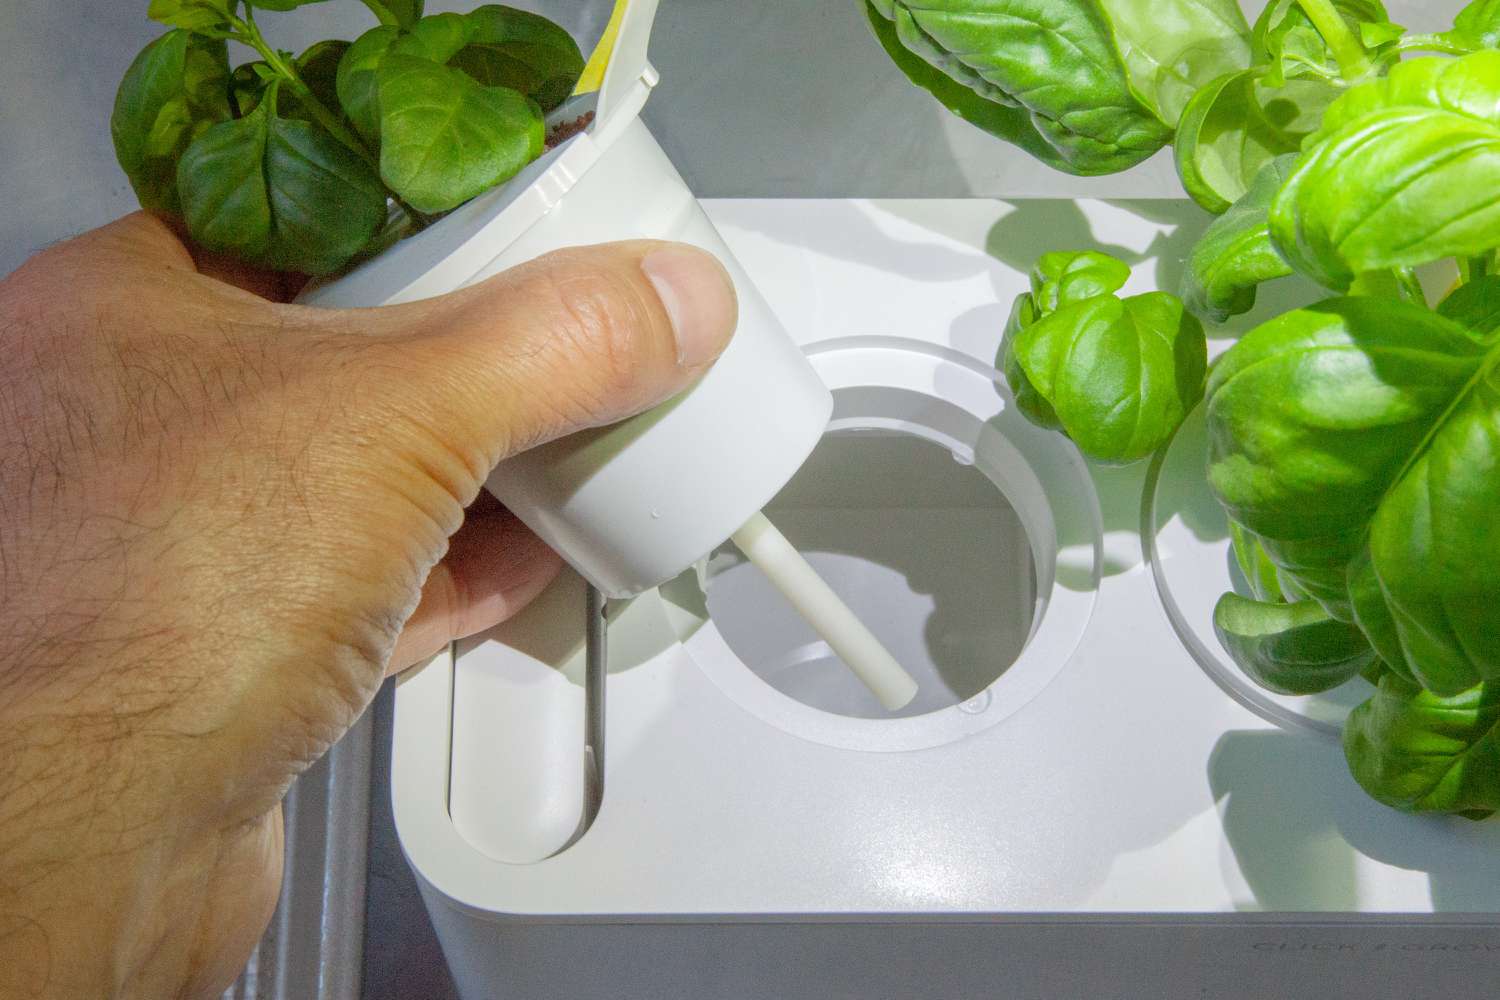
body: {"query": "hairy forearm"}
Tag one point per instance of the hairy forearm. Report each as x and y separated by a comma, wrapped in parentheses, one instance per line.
(107, 879)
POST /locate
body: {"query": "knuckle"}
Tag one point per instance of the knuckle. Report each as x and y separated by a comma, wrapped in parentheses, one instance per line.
(604, 318)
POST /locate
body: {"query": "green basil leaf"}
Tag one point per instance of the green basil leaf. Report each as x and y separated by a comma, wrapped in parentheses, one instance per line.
(1290, 648)
(1195, 69)
(1430, 83)
(247, 85)
(1172, 49)
(1058, 279)
(319, 68)
(1302, 53)
(281, 4)
(1377, 284)
(1372, 614)
(1405, 170)
(1317, 567)
(1477, 25)
(1296, 107)
(523, 51)
(1420, 752)
(1057, 64)
(1255, 566)
(1360, 440)
(446, 138)
(1236, 125)
(1374, 34)
(1100, 83)
(1120, 374)
(356, 83)
(533, 70)
(1234, 255)
(1275, 20)
(437, 37)
(1329, 400)
(406, 12)
(1006, 121)
(175, 89)
(1218, 149)
(496, 24)
(494, 67)
(1434, 547)
(1032, 404)
(1475, 306)
(279, 193)
(1062, 278)
(193, 15)
(1285, 42)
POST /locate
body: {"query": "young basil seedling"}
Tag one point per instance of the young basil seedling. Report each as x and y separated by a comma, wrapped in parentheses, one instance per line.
(300, 163)
(1116, 375)
(1354, 442)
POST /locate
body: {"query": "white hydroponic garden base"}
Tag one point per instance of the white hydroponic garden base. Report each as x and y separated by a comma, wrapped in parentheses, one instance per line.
(1099, 817)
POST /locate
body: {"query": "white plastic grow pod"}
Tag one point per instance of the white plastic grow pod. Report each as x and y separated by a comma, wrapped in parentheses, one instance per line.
(682, 795)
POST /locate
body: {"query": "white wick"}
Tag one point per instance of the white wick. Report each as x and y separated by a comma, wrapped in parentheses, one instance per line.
(815, 601)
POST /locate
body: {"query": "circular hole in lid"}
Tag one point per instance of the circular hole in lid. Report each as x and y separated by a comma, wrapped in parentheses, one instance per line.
(920, 544)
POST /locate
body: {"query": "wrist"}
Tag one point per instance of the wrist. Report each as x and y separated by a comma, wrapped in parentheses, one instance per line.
(109, 867)
(132, 917)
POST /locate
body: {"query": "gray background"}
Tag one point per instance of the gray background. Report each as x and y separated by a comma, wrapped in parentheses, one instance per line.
(789, 99)
(758, 99)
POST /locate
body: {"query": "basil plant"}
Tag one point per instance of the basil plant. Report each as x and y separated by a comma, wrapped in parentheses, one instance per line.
(305, 162)
(1354, 442)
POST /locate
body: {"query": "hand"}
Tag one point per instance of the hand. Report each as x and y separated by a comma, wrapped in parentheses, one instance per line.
(222, 520)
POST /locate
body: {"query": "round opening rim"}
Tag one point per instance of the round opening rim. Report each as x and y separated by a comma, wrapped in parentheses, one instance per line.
(1026, 465)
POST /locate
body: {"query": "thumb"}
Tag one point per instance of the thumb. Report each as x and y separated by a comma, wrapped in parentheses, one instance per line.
(574, 339)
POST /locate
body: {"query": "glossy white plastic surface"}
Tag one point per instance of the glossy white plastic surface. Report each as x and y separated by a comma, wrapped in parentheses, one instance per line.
(518, 727)
(1102, 772)
(632, 505)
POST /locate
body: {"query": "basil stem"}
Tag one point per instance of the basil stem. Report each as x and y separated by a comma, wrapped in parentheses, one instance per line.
(248, 32)
(382, 12)
(1408, 285)
(1353, 61)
